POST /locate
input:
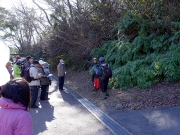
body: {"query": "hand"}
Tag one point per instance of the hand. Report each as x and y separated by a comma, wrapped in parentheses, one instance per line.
(50, 82)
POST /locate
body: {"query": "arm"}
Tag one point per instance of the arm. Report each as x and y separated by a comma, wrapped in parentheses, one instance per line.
(34, 73)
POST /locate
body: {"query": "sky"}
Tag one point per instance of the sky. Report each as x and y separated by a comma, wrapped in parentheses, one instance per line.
(9, 3)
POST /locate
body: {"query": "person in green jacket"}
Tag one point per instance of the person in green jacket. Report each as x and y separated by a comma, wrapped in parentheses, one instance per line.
(17, 69)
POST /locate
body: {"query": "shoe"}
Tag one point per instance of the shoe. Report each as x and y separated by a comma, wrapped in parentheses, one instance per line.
(61, 89)
(107, 95)
(34, 106)
(48, 99)
(44, 100)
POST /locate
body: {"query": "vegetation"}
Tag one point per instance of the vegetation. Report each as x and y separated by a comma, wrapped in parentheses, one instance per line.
(147, 48)
(139, 38)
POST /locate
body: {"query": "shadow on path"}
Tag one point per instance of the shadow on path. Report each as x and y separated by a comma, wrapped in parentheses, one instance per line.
(41, 116)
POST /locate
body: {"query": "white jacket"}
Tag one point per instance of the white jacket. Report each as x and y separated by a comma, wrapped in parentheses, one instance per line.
(34, 73)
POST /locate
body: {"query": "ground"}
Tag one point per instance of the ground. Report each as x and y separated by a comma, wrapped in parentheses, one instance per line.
(160, 95)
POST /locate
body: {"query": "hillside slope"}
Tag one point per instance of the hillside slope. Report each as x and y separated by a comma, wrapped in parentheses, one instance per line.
(158, 96)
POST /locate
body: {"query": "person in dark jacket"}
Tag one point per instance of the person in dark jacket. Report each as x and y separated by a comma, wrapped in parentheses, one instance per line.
(29, 61)
(104, 80)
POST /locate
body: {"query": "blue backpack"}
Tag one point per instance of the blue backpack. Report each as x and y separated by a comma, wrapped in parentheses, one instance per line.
(98, 71)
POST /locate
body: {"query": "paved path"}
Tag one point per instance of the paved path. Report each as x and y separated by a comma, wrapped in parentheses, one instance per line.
(64, 115)
(67, 113)
(164, 121)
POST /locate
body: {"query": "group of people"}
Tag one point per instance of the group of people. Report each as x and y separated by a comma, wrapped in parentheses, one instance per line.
(18, 95)
(19, 90)
(39, 73)
(101, 71)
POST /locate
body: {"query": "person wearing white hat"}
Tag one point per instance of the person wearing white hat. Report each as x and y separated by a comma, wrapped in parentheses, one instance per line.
(61, 74)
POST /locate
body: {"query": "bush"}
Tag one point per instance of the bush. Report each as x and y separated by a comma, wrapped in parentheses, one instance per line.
(149, 57)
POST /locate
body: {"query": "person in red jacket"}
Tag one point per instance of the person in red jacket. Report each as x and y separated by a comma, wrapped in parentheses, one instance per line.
(14, 108)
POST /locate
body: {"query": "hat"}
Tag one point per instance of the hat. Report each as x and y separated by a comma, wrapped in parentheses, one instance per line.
(101, 59)
(61, 61)
(19, 61)
(29, 57)
(46, 65)
(35, 62)
(94, 58)
(41, 62)
(18, 57)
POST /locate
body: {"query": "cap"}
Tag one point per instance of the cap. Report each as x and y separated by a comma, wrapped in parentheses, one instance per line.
(61, 61)
(35, 62)
(18, 57)
(101, 59)
(46, 65)
(29, 57)
(41, 62)
(18, 62)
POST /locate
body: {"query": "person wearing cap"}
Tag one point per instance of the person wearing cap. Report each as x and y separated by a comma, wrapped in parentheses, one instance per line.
(44, 82)
(93, 64)
(17, 69)
(29, 61)
(17, 58)
(61, 74)
(35, 83)
(104, 81)
(47, 72)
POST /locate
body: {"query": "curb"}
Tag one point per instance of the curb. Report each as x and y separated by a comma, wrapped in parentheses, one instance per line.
(107, 121)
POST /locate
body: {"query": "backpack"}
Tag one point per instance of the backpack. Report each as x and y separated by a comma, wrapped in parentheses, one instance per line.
(107, 72)
(22, 71)
(98, 71)
(27, 76)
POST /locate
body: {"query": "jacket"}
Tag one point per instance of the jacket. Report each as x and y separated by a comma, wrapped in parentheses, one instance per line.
(33, 71)
(14, 120)
(10, 73)
(61, 69)
(16, 71)
(27, 64)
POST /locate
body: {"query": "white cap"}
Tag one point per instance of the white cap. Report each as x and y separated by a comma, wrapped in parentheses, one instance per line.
(41, 62)
(61, 61)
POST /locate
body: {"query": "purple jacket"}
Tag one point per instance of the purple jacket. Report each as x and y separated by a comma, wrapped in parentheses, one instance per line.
(10, 72)
(14, 119)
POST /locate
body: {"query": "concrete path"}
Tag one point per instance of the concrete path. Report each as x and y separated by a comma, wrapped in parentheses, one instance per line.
(164, 121)
(67, 113)
(64, 115)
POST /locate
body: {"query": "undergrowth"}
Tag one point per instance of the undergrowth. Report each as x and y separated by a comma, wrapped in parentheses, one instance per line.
(144, 53)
